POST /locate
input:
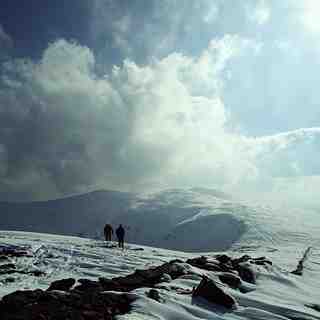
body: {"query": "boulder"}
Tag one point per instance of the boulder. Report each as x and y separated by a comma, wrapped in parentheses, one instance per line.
(46, 305)
(18, 299)
(232, 280)
(208, 290)
(198, 262)
(246, 272)
(242, 259)
(223, 258)
(145, 278)
(154, 294)
(62, 285)
(88, 285)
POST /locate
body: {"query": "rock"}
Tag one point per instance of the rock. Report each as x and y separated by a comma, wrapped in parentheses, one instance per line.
(9, 280)
(86, 284)
(7, 266)
(154, 294)
(223, 258)
(210, 291)
(176, 269)
(246, 272)
(18, 299)
(72, 305)
(313, 306)
(144, 278)
(242, 259)
(37, 273)
(62, 285)
(92, 315)
(165, 278)
(210, 264)
(13, 252)
(3, 258)
(230, 279)
(198, 262)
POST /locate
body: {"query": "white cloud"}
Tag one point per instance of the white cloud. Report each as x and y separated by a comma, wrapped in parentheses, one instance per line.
(310, 14)
(159, 125)
(260, 14)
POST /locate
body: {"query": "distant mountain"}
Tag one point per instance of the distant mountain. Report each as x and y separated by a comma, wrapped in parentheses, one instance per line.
(190, 220)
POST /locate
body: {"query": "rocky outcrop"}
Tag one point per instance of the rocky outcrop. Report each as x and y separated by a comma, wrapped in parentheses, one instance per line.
(86, 299)
(62, 285)
(209, 290)
(231, 279)
(155, 295)
(6, 252)
(59, 305)
(145, 278)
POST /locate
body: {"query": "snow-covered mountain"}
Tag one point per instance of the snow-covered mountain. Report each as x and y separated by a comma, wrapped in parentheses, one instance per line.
(190, 220)
(170, 219)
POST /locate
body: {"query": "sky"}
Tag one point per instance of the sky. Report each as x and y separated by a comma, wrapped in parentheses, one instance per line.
(140, 95)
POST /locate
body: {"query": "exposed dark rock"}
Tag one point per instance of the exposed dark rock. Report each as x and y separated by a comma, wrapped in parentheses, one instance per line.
(261, 259)
(223, 258)
(144, 278)
(62, 285)
(18, 299)
(246, 272)
(9, 280)
(93, 299)
(264, 263)
(86, 284)
(242, 259)
(12, 269)
(154, 294)
(313, 306)
(210, 264)
(37, 273)
(13, 252)
(198, 262)
(56, 305)
(230, 279)
(3, 258)
(7, 266)
(210, 291)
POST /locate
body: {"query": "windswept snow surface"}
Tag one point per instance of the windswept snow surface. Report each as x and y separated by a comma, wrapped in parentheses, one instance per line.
(177, 219)
(278, 294)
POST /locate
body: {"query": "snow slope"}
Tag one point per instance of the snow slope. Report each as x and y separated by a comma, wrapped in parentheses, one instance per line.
(160, 219)
(277, 295)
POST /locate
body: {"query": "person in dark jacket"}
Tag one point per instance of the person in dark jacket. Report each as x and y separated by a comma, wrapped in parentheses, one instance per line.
(120, 232)
(108, 232)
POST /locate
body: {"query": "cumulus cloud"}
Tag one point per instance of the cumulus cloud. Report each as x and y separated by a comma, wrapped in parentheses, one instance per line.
(260, 14)
(310, 14)
(64, 129)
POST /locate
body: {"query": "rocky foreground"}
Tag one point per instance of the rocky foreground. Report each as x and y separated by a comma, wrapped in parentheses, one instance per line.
(104, 298)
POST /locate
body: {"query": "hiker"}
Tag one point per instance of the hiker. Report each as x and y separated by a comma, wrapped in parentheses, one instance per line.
(120, 235)
(108, 232)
